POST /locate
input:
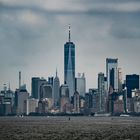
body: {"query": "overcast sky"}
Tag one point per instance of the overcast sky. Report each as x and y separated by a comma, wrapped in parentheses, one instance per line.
(33, 33)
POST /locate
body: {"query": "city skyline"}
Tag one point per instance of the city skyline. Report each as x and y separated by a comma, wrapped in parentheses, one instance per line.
(33, 34)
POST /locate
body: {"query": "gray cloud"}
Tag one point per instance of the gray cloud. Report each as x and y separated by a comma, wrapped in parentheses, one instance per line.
(126, 27)
(74, 7)
(32, 35)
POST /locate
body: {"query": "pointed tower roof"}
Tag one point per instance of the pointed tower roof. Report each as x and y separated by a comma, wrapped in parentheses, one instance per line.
(56, 76)
(69, 33)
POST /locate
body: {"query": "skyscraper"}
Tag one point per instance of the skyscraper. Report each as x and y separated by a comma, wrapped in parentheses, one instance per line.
(69, 65)
(101, 92)
(35, 87)
(132, 82)
(56, 86)
(36, 83)
(80, 84)
(112, 73)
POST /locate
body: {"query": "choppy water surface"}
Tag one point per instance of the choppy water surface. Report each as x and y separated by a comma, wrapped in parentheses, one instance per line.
(77, 128)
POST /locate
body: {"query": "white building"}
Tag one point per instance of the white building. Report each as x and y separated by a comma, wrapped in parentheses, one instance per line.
(21, 95)
(31, 105)
(80, 84)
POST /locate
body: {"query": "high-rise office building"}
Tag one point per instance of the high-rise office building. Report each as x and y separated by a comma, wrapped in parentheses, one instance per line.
(35, 87)
(91, 100)
(46, 91)
(80, 84)
(112, 74)
(36, 83)
(132, 82)
(69, 65)
(101, 92)
(56, 86)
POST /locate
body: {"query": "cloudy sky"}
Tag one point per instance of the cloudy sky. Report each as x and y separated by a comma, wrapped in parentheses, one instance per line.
(33, 33)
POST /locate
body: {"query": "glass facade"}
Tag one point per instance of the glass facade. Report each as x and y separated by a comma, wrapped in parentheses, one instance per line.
(132, 82)
(69, 66)
(112, 73)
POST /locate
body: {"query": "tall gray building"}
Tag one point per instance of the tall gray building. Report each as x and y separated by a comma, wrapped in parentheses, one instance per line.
(112, 74)
(56, 86)
(101, 92)
(69, 65)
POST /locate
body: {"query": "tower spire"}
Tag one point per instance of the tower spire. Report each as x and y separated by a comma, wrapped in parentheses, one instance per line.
(69, 33)
(19, 79)
(56, 72)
